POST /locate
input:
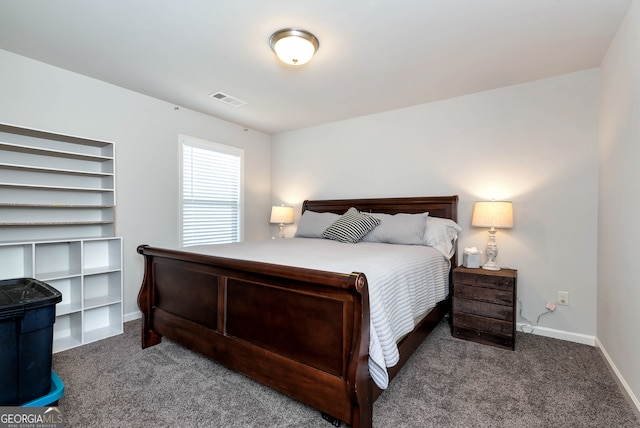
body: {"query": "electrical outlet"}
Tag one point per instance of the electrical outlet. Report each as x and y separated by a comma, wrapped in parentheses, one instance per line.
(563, 298)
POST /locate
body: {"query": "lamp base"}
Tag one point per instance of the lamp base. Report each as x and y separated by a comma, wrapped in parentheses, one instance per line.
(492, 252)
(491, 266)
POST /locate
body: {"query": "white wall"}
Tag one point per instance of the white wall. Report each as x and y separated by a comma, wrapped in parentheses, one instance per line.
(145, 131)
(619, 203)
(534, 144)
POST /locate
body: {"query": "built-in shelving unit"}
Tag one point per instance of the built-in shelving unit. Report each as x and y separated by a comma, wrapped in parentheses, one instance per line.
(55, 186)
(57, 224)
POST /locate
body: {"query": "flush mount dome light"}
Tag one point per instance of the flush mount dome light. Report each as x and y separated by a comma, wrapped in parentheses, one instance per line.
(293, 45)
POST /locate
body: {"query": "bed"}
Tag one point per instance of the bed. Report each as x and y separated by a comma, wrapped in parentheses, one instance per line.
(258, 317)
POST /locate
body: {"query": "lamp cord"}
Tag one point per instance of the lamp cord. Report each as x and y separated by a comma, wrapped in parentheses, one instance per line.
(531, 325)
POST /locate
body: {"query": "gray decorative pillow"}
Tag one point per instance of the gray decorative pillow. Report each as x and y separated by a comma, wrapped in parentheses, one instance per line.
(312, 224)
(405, 229)
(351, 227)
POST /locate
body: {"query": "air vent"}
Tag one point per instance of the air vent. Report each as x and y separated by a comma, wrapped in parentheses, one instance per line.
(227, 99)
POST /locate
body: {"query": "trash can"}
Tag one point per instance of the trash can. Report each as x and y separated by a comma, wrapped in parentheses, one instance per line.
(27, 314)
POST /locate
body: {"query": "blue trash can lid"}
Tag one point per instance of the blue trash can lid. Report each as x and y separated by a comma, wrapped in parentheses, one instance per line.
(26, 293)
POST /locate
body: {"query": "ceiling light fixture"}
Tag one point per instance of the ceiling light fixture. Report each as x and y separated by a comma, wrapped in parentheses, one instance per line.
(293, 45)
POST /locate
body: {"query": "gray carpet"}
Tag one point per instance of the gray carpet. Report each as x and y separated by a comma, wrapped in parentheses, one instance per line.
(447, 383)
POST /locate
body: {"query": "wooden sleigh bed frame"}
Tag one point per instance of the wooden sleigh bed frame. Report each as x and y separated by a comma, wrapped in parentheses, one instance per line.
(302, 332)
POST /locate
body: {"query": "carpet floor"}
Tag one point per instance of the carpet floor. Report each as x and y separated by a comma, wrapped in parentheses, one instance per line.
(447, 383)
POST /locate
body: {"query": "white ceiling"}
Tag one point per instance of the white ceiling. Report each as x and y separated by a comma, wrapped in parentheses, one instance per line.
(375, 55)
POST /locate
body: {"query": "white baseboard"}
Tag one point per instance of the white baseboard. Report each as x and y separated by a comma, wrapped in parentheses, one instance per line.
(631, 397)
(132, 316)
(557, 334)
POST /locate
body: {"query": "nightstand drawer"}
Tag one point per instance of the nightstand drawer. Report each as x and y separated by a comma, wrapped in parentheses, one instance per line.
(482, 280)
(483, 309)
(490, 295)
(488, 325)
(486, 338)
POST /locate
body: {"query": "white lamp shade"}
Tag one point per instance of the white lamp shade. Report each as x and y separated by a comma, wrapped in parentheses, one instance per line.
(498, 214)
(281, 215)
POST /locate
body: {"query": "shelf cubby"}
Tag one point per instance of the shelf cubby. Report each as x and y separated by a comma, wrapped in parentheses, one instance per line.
(102, 289)
(54, 260)
(102, 255)
(67, 331)
(71, 290)
(101, 322)
(16, 261)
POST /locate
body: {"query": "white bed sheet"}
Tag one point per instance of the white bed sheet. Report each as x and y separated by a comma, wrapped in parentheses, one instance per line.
(405, 282)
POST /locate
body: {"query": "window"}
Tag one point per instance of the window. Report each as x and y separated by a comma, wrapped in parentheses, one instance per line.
(211, 192)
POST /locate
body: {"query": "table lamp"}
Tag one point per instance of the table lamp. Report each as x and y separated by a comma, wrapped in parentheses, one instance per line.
(492, 214)
(281, 215)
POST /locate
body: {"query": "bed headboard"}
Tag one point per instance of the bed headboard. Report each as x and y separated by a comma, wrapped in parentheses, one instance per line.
(437, 206)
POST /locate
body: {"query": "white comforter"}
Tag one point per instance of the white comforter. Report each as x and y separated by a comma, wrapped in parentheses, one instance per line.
(405, 281)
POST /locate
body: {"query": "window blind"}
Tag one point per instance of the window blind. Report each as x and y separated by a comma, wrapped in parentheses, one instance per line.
(211, 193)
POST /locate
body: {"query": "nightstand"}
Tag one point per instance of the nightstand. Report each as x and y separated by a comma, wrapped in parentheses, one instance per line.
(484, 306)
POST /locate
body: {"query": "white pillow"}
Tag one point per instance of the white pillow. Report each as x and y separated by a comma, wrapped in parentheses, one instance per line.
(312, 224)
(406, 229)
(442, 234)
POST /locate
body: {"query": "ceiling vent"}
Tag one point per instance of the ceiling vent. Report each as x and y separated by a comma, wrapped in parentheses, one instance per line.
(227, 99)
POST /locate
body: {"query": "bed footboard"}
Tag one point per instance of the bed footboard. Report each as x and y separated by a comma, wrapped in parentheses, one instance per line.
(302, 332)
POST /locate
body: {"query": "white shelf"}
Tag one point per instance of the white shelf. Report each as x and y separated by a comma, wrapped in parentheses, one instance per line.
(52, 180)
(39, 150)
(54, 141)
(57, 224)
(17, 234)
(53, 188)
(33, 168)
(62, 343)
(101, 333)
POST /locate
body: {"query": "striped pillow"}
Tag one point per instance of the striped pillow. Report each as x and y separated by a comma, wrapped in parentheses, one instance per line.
(351, 227)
